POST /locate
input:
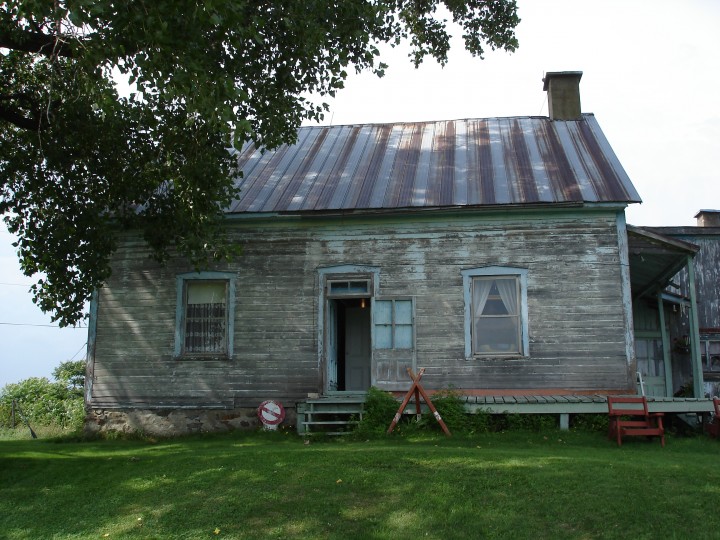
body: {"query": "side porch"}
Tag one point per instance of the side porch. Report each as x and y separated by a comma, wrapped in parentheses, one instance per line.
(565, 405)
(336, 414)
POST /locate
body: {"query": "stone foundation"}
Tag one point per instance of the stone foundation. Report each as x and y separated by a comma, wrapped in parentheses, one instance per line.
(174, 422)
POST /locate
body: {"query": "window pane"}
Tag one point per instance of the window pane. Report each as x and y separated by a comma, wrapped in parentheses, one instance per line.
(205, 293)
(495, 306)
(403, 337)
(338, 287)
(358, 287)
(403, 312)
(714, 350)
(205, 317)
(383, 312)
(383, 337)
(496, 335)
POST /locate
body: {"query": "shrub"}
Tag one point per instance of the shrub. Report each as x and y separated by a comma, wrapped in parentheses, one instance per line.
(42, 402)
(379, 410)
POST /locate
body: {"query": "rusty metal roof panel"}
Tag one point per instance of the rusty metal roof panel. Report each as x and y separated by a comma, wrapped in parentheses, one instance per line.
(474, 162)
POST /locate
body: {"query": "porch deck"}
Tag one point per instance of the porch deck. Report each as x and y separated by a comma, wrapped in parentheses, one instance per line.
(310, 411)
(577, 404)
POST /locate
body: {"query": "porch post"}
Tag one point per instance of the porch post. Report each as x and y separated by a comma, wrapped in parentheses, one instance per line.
(665, 346)
(698, 383)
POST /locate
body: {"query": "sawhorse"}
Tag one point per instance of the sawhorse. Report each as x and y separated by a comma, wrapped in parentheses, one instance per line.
(417, 390)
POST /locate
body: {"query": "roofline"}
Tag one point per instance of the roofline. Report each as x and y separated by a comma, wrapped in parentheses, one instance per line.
(400, 122)
(371, 212)
(681, 230)
(655, 237)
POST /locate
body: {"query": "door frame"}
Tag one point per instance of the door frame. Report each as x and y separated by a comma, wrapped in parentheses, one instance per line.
(348, 272)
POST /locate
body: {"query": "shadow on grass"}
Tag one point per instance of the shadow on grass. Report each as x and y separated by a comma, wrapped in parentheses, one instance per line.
(251, 486)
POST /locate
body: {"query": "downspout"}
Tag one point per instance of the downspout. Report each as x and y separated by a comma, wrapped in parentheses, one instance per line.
(698, 382)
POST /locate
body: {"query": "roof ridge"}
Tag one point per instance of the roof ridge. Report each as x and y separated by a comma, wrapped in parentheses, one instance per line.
(417, 122)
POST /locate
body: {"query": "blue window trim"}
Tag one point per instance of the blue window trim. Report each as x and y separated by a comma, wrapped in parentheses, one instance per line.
(468, 276)
(181, 279)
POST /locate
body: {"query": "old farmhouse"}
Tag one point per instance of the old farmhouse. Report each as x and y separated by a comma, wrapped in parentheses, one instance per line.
(492, 252)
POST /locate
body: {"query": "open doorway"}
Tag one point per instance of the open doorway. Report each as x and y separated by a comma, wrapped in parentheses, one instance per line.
(349, 354)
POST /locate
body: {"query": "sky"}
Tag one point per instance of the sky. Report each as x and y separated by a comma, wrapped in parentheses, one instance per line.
(651, 76)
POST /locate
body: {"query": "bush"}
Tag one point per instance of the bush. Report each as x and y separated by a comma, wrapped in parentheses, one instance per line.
(42, 402)
(378, 412)
(380, 409)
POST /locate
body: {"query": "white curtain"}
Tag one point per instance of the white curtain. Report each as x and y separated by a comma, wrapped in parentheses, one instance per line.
(481, 291)
(508, 292)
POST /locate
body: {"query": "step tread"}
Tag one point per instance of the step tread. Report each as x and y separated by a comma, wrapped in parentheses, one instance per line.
(330, 423)
(343, 411)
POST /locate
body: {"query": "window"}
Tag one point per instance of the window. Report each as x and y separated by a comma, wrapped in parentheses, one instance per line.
(710, 351)
(205, 314)
(393, 320)
(348, 288)
(648, 352)
(495, 312)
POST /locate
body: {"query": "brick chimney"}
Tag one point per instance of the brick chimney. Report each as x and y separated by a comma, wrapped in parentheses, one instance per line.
(708, 218)
(563, 90)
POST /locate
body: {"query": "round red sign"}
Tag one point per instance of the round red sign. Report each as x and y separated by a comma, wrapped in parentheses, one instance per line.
(271, 413)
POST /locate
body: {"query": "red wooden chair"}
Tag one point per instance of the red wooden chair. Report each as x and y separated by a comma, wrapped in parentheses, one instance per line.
(713, 428)
(629, 417)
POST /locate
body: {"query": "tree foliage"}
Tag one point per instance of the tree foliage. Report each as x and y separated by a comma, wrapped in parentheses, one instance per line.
(72, 374)
(79, 161)
(42, 402)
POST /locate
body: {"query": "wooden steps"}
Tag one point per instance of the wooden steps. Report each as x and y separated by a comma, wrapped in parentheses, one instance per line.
(330, 415)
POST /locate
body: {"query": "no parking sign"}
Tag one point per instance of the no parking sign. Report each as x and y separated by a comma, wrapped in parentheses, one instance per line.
(271, 413)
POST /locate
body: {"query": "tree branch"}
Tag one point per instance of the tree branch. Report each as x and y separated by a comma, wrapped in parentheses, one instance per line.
(36, 42)
(14, 117)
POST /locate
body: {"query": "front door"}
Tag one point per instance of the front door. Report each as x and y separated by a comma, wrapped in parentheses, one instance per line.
(348, 345)
(651, 366)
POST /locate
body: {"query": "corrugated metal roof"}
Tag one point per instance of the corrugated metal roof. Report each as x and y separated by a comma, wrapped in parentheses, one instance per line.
(473, 162)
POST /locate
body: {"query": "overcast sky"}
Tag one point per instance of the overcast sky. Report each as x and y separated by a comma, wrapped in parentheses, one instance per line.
(651, 77)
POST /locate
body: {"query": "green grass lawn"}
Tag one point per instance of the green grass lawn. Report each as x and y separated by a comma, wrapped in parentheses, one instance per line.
(496, 485)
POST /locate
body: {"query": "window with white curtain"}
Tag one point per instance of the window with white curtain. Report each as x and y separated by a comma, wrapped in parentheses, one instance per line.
(496, 311)
(205, 317)
(205, 314)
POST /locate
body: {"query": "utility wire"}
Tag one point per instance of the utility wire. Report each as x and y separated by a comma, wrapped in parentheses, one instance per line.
(42, 325)
(79, 351)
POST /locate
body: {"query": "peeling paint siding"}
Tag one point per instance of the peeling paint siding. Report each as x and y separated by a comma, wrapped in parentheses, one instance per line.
(576, 319)
(707, 278)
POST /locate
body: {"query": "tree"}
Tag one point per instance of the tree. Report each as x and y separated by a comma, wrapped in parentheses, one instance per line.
(72, 374)
(79, 161)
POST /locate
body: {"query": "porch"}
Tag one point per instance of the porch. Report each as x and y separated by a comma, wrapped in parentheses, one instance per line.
(341, 412)
(565, 405)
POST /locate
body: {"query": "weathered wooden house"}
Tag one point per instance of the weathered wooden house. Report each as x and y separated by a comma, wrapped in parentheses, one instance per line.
(492, 252)
(678, 339)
